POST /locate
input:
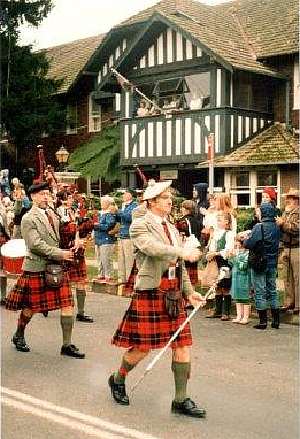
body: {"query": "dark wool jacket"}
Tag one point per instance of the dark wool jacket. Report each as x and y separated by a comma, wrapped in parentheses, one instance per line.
(271, 234)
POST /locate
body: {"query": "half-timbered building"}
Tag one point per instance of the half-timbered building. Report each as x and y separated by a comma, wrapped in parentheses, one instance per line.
(231, 70)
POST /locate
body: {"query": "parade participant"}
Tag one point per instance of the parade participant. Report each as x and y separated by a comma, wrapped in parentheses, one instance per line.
(220, 247)
(157, 307)
(34, 291)
(4, 237)
(289, 225)
(125, 256)
(71, 234)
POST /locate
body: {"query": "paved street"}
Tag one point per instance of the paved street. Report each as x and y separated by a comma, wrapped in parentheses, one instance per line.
(247, 380)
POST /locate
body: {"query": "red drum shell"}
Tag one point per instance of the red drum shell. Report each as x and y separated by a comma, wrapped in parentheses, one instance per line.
(12, 265)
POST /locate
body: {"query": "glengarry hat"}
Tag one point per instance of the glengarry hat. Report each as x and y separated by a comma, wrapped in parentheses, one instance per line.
(292, 192)
(37, 187)
(154, 189)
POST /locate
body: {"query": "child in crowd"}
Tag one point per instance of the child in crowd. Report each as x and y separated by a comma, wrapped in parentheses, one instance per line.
(240, 282)
(220, 247)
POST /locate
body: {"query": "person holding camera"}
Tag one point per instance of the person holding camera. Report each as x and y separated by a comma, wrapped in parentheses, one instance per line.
(43, 286)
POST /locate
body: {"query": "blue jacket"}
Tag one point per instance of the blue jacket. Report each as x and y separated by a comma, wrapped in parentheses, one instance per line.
(106, 222)
(124, 216)
(271, 234)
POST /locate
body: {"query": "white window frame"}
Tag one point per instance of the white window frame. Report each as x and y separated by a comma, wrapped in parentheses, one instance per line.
(296, 104)
(70, 130)
(95, 125)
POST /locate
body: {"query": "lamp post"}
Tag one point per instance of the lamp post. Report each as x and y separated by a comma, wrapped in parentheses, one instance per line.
(62, 156)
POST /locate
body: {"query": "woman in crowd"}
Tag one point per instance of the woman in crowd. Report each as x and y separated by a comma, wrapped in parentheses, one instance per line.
(105, 238)
(189, 224)
(224, 205)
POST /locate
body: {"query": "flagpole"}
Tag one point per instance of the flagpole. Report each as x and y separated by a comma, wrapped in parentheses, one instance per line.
(117, 74)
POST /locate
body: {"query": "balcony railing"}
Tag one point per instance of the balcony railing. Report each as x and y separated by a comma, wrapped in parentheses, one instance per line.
(181, 137)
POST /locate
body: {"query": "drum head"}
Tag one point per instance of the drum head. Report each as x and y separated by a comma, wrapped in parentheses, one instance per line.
(15, 248)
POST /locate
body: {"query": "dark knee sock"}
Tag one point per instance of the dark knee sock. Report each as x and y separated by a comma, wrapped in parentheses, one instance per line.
(125, 368)
(80, 294)
(181, 375)
(3, 284)
(66, 326)
(22, 322)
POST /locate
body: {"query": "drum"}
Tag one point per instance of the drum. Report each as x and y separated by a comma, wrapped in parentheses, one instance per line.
(13, 253)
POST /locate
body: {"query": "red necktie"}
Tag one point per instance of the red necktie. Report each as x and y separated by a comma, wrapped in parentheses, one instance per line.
(167, 231)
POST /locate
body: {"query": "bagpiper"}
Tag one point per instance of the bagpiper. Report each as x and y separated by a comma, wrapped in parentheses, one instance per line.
(73, 230)
(43, 286)
(157, 306)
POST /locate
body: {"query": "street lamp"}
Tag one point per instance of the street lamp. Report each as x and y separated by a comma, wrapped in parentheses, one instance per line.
(62, 156)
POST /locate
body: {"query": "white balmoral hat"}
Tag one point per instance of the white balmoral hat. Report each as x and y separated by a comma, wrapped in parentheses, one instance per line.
(154, 189)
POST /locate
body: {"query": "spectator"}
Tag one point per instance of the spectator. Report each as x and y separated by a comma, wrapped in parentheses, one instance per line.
(21, 206)
(220, 247)
(187, 225)
(210, 218)
(240, 284)
(142, 110)
(289, 225)
(124, 216)
(105, 241)
(4, 237)
(200, 199)
(264, 282)
(223, 204)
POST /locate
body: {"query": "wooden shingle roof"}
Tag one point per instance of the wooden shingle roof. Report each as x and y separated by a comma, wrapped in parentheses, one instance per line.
(240, 32)
(275, 145)
(68, 60)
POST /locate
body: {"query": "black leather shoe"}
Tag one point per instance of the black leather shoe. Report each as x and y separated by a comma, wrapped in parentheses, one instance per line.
(84, 318)
(71, 351)
(45, 313)
(188, 408)
(20, 343)
(3, 302)
(118, 391)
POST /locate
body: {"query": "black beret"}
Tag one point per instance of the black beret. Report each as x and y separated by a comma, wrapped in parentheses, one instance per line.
(34, 188)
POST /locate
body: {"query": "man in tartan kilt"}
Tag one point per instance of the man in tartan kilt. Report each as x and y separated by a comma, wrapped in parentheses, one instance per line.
(157, 306)
(72, 231)
(31, 293)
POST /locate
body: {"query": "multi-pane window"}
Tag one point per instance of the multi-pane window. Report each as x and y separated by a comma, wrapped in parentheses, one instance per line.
(240, 188)
(94, 115)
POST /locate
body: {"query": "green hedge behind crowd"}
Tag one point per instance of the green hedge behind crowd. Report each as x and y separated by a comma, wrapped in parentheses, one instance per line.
(244, 218)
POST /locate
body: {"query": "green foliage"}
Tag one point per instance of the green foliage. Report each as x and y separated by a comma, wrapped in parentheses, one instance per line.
(100, 156)
(244, 218)
(28, 106)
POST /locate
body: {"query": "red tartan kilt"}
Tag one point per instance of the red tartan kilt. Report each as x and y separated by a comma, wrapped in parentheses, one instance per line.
(192, 270)
(77, 271)
(146, 325)
(31, 292)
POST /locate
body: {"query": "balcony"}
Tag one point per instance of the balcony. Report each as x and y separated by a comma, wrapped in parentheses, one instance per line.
(181, 137)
